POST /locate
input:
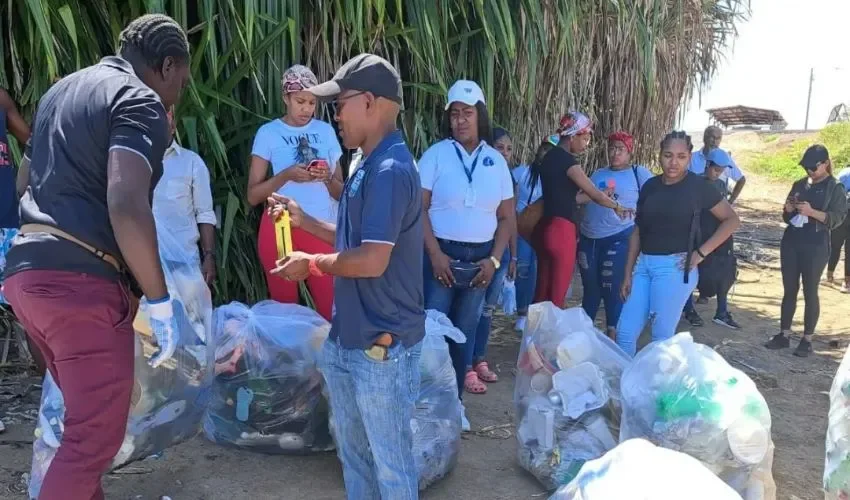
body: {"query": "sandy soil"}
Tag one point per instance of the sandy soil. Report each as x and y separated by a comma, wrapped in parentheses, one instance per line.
(796, 390)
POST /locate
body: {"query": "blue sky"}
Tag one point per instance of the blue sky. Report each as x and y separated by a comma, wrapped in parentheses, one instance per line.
(768, 65)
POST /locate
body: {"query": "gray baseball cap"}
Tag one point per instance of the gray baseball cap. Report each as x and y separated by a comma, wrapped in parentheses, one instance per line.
(366, 73)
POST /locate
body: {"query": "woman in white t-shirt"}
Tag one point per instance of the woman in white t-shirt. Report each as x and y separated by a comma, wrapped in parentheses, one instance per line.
(303, 155)
(467, 196)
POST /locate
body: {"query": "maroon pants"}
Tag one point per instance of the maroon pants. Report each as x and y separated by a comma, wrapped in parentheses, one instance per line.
(83, 325)
(555, 242)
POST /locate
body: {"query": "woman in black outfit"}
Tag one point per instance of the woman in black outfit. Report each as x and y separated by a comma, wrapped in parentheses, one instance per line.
(815, 206)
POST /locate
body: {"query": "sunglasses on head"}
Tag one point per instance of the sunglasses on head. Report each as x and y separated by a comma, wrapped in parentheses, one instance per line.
(290, 87)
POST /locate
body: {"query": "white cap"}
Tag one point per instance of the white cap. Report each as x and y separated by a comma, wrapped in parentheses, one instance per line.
(467, 92)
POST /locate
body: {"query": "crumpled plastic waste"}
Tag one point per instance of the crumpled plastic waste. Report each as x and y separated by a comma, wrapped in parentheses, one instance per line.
(507, 299)
(267, 395)
(799, 220)
(836, 473)
(436, 420)
(637, 469)
(567, 393)
(684, 396)
(167, 402)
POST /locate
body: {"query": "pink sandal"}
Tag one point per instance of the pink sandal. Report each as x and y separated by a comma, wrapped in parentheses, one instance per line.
(484, 372)
(472, 384)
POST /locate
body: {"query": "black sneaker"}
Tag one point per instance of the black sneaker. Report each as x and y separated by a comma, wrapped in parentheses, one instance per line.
(693, 318)
(779, 341)
(727, 321)
(804, 348)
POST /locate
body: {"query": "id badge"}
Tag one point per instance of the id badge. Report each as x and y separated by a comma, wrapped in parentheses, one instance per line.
(469, 200)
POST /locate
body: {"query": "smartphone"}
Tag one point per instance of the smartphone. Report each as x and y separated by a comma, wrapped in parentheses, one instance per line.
(317, 164)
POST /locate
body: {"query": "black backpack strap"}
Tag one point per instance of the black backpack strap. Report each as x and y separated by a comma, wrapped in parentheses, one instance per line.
(637, 179)
(695, 234)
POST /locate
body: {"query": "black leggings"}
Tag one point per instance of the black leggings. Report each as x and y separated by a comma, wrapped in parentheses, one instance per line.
(840, 237)
(806, 260)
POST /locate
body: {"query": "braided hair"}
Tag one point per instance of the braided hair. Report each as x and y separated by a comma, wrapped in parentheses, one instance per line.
(151, 38)
(677, 135)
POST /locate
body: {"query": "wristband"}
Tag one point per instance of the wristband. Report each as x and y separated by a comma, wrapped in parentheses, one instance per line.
(314, 269)
(699, 252)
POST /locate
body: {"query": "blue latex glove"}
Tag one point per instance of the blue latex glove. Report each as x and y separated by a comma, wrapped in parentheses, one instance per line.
(164, 327)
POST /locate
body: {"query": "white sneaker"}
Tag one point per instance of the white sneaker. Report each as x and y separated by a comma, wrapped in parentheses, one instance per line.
(844, 288)
(520, 323)
(464, 423)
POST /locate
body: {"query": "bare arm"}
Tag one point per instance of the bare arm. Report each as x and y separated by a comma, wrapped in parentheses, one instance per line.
(259, 187)
(736, 192)
(432, 247)
(506, 228)
(207, 232)
(729, 222)
(586, 185)
(582, 198)
(17, 126)
(369, 260)
(634, 251)
(128, 185)
(336, 184)
(23, 179)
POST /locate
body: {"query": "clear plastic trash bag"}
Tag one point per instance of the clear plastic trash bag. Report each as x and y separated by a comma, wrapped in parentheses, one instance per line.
(684, 396)
(436, 419)
(267, 394)
(168, 402)
(638, 470)
(567, 393)
(507, 299)
(836, 473)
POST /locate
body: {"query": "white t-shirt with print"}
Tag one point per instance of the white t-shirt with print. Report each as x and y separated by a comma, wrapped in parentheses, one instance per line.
(283, 146)
(461, 211)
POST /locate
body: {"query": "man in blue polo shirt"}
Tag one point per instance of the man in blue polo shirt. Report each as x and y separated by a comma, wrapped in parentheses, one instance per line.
(371, 360)
(711, 140)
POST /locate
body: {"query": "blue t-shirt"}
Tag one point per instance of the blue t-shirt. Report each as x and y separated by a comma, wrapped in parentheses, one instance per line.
(8, 194)
(382, 202)
(521, 175)
(602, 222)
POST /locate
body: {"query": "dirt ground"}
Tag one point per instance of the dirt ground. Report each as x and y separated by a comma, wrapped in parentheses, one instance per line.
(796, 390)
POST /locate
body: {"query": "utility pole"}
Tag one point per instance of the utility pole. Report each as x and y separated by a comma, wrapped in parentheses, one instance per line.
(809, 99)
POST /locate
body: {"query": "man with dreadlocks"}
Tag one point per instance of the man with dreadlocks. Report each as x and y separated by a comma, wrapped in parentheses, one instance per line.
(87, 244)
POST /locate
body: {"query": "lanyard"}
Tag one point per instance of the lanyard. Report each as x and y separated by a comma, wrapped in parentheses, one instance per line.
(468, 170)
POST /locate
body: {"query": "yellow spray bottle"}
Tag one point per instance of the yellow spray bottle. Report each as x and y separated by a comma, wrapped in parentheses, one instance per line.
(283, 234)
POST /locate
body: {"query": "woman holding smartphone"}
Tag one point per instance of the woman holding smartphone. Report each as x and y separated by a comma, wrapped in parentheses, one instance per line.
(815, 206)
(297, 156)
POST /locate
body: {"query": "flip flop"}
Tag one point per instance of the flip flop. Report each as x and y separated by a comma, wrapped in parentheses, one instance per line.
(484, 372)
(472, 384)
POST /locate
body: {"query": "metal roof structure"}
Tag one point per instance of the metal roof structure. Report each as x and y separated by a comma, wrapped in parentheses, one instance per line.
(732, 116)
(840, 113)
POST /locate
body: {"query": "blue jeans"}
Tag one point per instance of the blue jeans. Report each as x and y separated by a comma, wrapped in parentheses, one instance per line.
(526, 276)
(602, 263)
(491, 300)
(658, 295)
(462, 305)
(371, 405)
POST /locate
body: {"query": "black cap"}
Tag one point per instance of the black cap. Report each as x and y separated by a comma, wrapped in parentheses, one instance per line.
(814, 155)
(366, 73)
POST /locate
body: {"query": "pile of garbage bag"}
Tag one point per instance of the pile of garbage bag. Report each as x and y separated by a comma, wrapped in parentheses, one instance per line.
(638, 469)
(567, 393)
(267, 395)
(684, 396)
(168, 402)
(436, 419)
(836, 473)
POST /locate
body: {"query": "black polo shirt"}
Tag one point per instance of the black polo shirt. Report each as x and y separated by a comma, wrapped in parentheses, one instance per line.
(78, 121)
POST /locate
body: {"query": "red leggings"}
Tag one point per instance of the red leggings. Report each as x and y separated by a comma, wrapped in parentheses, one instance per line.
(321, 287)
(554, 240)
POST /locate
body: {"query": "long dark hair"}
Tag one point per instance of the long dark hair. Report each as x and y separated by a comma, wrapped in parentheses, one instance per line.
(534, 168)
(485, 131)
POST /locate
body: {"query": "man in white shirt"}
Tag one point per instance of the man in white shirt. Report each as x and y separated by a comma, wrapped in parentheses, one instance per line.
(183, 204)
(711, 140)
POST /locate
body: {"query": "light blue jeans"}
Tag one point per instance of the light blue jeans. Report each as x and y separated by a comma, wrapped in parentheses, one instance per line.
(526, 276)
(371, 406)
(491, 300)
(659, 293)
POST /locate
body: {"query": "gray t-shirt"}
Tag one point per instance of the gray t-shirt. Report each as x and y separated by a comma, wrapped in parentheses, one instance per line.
(382, 203)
